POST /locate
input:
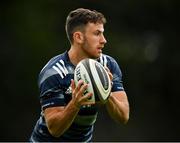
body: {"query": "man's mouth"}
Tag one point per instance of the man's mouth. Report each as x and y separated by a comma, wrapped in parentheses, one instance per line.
(100, 49)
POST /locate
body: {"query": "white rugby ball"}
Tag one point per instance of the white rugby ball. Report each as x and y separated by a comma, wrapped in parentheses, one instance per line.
(94, 74)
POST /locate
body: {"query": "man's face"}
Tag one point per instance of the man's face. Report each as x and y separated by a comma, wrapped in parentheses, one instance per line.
(94, 40)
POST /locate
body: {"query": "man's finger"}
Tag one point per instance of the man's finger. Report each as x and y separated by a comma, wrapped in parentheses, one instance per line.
(80, 83)
(86, 97)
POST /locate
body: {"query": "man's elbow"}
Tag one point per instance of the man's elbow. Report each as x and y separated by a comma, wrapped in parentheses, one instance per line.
(53, 130)
(126, 116)
(125, 119)
(54, 133)
(122, 119)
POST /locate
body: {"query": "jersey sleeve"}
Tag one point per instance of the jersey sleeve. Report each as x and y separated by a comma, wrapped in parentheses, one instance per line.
(51, 92)
(117, 76)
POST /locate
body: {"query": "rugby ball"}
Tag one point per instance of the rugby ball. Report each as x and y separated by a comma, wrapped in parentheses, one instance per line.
(94, 74)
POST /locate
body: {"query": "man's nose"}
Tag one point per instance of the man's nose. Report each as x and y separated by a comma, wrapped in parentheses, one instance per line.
(103, 40)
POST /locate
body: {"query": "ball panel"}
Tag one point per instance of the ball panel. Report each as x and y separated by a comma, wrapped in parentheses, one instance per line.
(103, 93)
(93, 73)
(102, 76)
(86, 64)
(81, 73)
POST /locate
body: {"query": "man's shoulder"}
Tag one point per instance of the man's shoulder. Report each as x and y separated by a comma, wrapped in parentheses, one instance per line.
(55, 66)
(105, 59)
(54, 60)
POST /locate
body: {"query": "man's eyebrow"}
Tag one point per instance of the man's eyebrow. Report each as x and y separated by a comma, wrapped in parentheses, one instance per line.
(101, 31)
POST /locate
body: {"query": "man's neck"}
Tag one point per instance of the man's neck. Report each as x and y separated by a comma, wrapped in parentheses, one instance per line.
(75, 55)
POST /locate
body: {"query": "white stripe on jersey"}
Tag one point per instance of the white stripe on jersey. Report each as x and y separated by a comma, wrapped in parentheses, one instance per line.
(103, 60)
(60, 68)
(64, 68)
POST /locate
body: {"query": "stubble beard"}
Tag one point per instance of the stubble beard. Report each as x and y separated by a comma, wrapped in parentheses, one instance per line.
(85, 47)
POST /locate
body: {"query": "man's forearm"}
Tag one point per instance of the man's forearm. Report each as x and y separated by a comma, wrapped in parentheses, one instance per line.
(59, 122)
(118, 107)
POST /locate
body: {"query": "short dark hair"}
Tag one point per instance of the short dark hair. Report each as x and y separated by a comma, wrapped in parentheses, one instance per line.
(78, 18)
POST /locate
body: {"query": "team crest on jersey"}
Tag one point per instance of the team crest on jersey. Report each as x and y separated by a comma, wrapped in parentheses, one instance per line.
(69, 90)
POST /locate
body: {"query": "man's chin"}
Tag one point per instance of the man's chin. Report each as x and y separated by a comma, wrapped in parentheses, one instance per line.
(99, 55)
(95, 56)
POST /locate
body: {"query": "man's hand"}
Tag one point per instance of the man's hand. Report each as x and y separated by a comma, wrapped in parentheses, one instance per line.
(78, 96)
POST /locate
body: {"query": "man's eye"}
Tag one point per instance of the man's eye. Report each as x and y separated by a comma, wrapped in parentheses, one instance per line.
(97, 33)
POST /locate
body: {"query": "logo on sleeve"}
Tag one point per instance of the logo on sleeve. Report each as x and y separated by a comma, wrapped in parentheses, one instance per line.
(60, 68)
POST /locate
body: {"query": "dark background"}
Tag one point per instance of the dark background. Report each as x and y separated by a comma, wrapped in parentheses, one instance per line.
(143, 36)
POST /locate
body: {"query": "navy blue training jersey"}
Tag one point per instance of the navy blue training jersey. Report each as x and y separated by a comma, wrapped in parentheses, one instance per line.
(54, 84)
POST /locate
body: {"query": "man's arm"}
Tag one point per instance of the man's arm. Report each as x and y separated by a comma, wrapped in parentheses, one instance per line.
(59, 119)
(118, 106)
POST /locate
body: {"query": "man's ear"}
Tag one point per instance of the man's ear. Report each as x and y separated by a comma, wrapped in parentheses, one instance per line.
(78, 37)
